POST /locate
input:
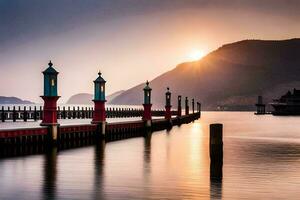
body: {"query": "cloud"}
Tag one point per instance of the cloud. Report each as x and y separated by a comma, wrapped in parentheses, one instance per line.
(25, 20)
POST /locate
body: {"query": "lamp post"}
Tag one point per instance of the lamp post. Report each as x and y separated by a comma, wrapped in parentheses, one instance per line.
(168, 105)
(50, 98)
(186, 106)
(147, 117)
(193, 105)
(99, 117)
(179, 106)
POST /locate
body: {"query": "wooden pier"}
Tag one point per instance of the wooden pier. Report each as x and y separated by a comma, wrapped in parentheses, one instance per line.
(69, 134)
(51, 133)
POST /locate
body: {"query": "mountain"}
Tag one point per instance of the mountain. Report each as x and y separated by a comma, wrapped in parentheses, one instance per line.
(81, 98)
(13, 100)
(112, 96)
(85, 98)
(230, 77)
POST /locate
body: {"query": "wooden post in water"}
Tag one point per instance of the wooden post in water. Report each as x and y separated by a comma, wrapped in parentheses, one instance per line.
(216, 140)
(216, 151)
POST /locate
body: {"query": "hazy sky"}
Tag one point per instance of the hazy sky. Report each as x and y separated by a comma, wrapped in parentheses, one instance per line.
(129, 40)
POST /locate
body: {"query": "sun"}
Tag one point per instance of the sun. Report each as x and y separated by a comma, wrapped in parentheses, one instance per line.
(196, 54)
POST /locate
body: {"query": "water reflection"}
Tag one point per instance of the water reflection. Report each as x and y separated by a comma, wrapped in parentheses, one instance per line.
(99, 170)
(216, 179)
(147, 162)
(147, 152)
(50, 173)
(257, 161)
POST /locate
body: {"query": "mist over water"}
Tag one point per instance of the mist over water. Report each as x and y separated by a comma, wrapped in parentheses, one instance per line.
(261, 161)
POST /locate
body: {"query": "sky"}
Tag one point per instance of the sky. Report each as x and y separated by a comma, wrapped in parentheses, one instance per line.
(130, 41)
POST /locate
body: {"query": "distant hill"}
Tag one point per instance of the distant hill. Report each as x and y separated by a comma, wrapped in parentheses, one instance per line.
(229, 78)
(13, 100)
(111, 97)
(85, 98)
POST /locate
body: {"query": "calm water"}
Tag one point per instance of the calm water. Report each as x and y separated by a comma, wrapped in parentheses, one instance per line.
(261, 161)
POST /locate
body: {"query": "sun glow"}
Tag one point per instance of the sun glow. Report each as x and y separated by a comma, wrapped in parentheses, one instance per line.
(196, 54)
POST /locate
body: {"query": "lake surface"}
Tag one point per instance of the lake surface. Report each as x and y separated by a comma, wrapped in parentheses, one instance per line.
(261, 161)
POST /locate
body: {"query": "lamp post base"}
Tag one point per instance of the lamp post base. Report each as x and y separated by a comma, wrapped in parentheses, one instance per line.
(101, 127)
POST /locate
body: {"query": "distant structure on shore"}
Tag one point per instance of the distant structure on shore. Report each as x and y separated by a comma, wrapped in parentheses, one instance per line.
(261, 107)
(288, 104)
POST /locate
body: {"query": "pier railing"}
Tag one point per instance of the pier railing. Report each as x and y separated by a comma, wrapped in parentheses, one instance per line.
(36, 113)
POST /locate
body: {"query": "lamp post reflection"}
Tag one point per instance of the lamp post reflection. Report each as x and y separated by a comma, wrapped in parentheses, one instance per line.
(99, 169)
(147, 161)
(50, 173)
(147, 151)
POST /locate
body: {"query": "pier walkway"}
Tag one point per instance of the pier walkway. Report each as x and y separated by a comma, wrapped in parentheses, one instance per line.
(51, 125)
